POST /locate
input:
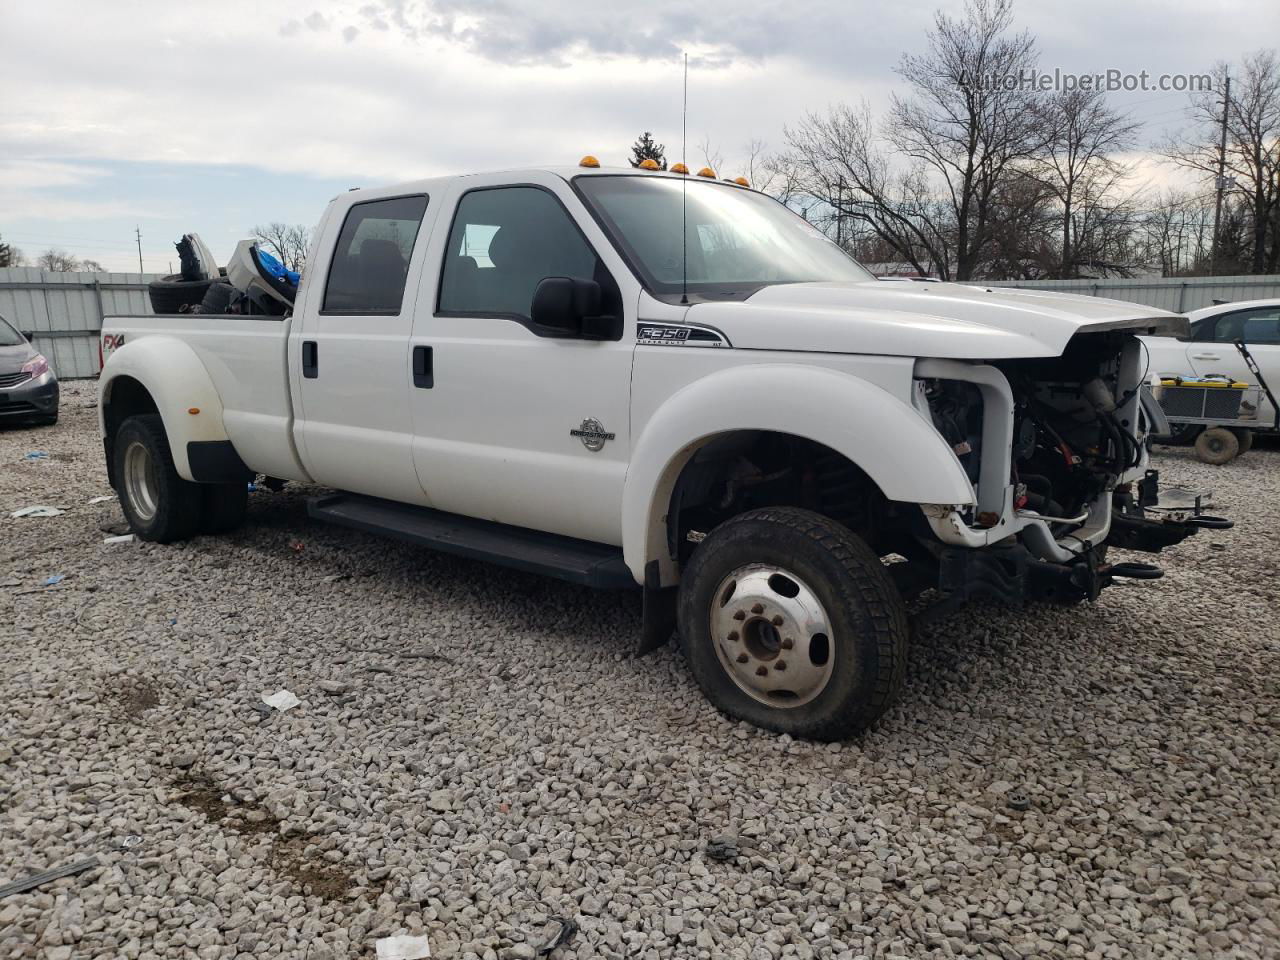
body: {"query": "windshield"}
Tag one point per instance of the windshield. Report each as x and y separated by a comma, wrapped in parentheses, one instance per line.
(9, 337)
(738, 240)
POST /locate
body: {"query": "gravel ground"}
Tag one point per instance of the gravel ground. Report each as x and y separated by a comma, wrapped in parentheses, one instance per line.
(477, 753)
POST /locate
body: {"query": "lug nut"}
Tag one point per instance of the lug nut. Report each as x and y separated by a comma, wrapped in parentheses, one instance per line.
(733, 636)
(757, 608)
(762, 671)
(780, 665)
(787, 643)
(740, 615)
(777, 620)
(743, 658)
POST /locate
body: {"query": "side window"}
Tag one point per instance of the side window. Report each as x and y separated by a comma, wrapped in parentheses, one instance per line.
(503, 242)
(1261, 325)
(372, 256)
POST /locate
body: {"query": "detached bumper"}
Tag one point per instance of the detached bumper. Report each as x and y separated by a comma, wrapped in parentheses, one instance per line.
(32, 400)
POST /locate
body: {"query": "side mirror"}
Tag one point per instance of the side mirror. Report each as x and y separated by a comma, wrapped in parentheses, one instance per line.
(29, 334)
(562, 304)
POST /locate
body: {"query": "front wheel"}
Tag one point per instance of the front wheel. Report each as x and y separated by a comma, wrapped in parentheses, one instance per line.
(790, 622)
(159, 505)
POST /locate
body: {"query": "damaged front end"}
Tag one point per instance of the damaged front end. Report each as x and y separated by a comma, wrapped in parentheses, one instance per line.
(1056, 450)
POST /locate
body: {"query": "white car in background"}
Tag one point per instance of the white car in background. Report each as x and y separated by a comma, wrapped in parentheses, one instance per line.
(1210, 349)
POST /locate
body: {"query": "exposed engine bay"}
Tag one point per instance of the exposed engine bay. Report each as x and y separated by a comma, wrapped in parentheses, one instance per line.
(1070, 440)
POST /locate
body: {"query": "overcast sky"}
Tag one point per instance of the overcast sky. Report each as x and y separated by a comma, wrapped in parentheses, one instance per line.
(214, 116)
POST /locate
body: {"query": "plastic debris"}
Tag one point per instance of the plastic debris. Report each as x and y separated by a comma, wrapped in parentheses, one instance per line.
(123, 538)
(54, 580)
(297, 546)
(1018, 800)
(562, 936)
(37, 511)
(102, 499)
(253, 487)
(35, 455)
(403, 947)
(282, 700)
(57, 873)
(129, 842)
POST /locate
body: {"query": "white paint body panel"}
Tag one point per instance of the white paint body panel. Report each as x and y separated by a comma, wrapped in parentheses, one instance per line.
(232, 370)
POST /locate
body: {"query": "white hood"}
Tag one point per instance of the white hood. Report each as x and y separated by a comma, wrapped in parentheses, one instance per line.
(910, 319)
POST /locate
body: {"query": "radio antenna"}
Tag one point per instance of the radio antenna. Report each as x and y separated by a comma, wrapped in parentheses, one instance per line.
(684, 190)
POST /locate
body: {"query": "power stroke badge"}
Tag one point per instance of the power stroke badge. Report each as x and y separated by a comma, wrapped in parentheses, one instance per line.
(592, 434)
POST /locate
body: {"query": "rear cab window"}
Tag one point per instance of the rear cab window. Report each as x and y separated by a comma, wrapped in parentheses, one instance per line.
(371, 259)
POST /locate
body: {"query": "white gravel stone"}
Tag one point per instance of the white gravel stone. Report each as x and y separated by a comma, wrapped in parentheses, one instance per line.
(488, 756)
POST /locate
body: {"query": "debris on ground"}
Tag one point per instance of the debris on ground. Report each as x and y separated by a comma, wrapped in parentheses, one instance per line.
(37, 511)
(1018, 800)
(562, 935)
(122, 538)
(403, 947)
(102, 499)
(54, 580)
(35, 455)
(40, 879)
(723, 848)
(281, 700)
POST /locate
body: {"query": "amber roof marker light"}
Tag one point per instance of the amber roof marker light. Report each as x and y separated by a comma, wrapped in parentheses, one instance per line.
(648, 163)
(742, 181)
(588, 161)
(679, 168)
(707, 172)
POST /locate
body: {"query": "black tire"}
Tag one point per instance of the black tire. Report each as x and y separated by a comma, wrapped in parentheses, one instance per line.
(1217, 446)
(218, 297)
(225, 505)
(175, 511)
(1245, 439)
(868, 622)
(172, 293)
(1183, 435)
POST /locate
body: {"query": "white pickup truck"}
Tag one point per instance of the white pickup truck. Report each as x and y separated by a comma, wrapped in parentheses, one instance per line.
(641, 379)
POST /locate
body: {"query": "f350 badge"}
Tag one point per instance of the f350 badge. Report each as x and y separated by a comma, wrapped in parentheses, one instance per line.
(592, 434)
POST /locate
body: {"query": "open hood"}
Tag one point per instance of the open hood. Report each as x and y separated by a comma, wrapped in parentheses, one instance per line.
(902, 318)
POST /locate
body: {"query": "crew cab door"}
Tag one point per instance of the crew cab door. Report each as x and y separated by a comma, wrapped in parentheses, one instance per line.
(1212, 349)
(351, 359)
(513, 422)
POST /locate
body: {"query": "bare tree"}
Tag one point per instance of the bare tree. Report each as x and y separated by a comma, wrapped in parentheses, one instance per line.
(57, 261)
(1253, 147)
(964, 127)
(91, 266)
(964, 120)
(711, 155)
(287, 242)
(1078, 161)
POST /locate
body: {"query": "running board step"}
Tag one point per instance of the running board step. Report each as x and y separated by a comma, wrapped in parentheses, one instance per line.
(578, 561)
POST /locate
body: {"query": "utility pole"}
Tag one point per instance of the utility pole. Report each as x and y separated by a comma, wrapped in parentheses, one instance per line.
(1222, 179)
(138, 231)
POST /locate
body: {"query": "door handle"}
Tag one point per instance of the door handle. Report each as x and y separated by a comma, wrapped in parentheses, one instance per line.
(424, 368)
(1206, 356)
(310, 359)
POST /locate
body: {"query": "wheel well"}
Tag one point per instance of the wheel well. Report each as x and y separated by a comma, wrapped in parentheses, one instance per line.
(746, 469)
(126, 397)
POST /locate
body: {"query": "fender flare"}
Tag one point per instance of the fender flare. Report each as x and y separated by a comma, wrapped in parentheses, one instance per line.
(885, 436)
(178, 383)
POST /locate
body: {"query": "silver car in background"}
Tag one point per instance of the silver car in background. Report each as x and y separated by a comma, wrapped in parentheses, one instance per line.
(28, 388)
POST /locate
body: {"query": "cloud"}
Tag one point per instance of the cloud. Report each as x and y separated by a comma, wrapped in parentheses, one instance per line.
(350, 33)
(720, 31)
(317, 21)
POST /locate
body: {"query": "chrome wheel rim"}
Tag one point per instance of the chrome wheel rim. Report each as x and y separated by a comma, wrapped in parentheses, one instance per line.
(772, 635)
(140, 480)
